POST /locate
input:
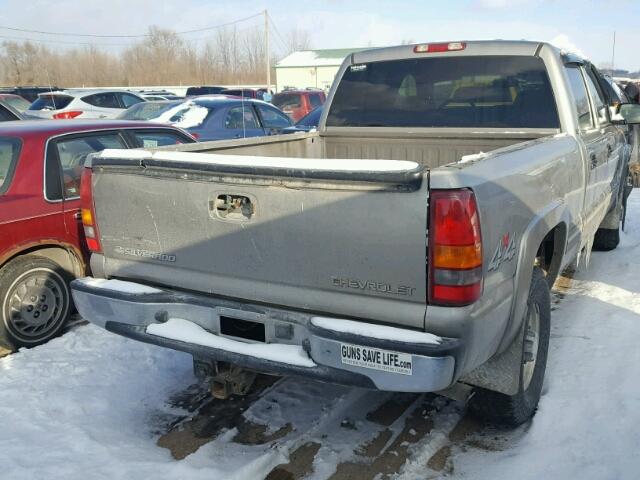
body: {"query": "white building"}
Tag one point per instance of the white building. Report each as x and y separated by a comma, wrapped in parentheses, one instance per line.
(310, 68)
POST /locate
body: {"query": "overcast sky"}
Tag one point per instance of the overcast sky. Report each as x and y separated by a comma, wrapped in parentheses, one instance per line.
(586, 25)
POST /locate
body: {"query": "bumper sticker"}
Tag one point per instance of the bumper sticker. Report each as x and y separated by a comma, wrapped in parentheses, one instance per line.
(374, 358)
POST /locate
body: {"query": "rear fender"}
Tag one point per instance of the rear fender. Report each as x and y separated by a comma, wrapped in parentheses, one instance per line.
(502, 372)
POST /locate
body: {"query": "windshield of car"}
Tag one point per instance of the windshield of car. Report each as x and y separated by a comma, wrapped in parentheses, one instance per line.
(16, 102)
(311, 119)
(9, 150)
(147, 110)
(51, 102)
(488, 91)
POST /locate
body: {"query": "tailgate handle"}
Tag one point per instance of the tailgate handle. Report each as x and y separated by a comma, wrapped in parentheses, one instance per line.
(232, 207)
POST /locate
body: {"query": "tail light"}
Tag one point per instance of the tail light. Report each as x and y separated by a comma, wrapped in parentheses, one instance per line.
(88, 213)
(67, 115)
(455, 248)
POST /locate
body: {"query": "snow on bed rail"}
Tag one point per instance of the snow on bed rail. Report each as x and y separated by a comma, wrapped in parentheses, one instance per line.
(372, 330)
(472, 158)
(118, 285)
(186, 331)
(329, 164)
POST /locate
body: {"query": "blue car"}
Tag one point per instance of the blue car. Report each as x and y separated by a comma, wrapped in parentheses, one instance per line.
(222, 118)
(306, 123)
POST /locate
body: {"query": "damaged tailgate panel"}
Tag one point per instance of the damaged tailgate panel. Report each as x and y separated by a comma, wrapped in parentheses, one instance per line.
(349, 240)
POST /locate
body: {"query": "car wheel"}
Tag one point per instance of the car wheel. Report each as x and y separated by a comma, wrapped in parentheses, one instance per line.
(513, 410)
(35, 301)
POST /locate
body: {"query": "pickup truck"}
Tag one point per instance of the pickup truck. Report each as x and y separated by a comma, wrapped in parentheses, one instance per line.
(408, 245)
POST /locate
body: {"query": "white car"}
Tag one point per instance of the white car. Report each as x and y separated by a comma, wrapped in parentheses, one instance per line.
(82, 103)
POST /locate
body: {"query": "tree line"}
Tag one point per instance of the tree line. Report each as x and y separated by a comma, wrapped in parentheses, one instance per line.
(163, 58)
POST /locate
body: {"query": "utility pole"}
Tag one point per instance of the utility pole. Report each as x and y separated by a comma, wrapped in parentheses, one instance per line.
(266, 49)
(613, 53)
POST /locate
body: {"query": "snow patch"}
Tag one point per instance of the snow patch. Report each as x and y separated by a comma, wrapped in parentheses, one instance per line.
(563, 42)
(323, 164)
(119, 285)
(472, 158)
(186, 331)
(122, 153)
(380, 332)
(189, 115)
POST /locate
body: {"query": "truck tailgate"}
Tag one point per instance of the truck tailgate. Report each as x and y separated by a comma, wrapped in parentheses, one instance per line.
(343, 237)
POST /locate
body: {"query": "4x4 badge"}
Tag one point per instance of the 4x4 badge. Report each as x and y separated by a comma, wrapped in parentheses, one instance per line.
(505, 251)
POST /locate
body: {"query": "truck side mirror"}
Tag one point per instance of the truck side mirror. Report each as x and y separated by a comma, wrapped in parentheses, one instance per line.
(629, 113)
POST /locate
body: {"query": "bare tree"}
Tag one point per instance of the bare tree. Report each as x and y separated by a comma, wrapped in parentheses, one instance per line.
(230, 56)
(298, 39)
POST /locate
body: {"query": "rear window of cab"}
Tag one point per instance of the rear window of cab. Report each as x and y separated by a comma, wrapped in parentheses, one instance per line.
(498, 91)
(9, 152)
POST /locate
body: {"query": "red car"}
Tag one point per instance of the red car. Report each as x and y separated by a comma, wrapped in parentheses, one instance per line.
(298, 103)
(41, 235)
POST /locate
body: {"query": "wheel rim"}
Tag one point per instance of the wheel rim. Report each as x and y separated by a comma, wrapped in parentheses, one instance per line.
(35, 305)
(531, 342)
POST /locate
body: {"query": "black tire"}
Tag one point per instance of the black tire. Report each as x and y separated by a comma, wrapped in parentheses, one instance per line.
(515, 410)
(35, 301)
(606, 239)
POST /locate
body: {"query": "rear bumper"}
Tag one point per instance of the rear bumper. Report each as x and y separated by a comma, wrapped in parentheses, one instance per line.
(433, 365)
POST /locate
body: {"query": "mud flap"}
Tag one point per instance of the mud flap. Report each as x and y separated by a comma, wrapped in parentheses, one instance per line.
(500, 373)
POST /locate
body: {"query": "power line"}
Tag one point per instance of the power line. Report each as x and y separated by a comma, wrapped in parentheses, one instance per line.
(104, 44)
(93, 35)
(32, 40)
(279, 36)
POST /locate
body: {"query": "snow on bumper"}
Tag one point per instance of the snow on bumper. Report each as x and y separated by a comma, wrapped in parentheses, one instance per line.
(296, 343)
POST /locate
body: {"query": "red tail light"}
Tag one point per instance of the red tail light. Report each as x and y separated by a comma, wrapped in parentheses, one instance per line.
(87, 210)
(455, 248)
(67, 115)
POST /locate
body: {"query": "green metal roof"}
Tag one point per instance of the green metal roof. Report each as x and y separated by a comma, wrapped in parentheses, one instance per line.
(317, 58)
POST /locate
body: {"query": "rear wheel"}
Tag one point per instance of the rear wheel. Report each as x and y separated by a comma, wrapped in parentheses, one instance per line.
(35, 301)
(606, 239)
(513, 410)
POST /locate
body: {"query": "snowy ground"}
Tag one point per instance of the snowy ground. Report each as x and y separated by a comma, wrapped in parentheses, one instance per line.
(587, 425)
(94, 405)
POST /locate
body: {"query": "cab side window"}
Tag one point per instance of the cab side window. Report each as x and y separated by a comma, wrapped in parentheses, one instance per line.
(579, 89)
(599, 102)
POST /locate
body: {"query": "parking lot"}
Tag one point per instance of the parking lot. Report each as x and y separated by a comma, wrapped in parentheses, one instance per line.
(319, 241)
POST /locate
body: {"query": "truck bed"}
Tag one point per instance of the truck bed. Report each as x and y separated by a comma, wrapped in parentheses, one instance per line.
(424, 146)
